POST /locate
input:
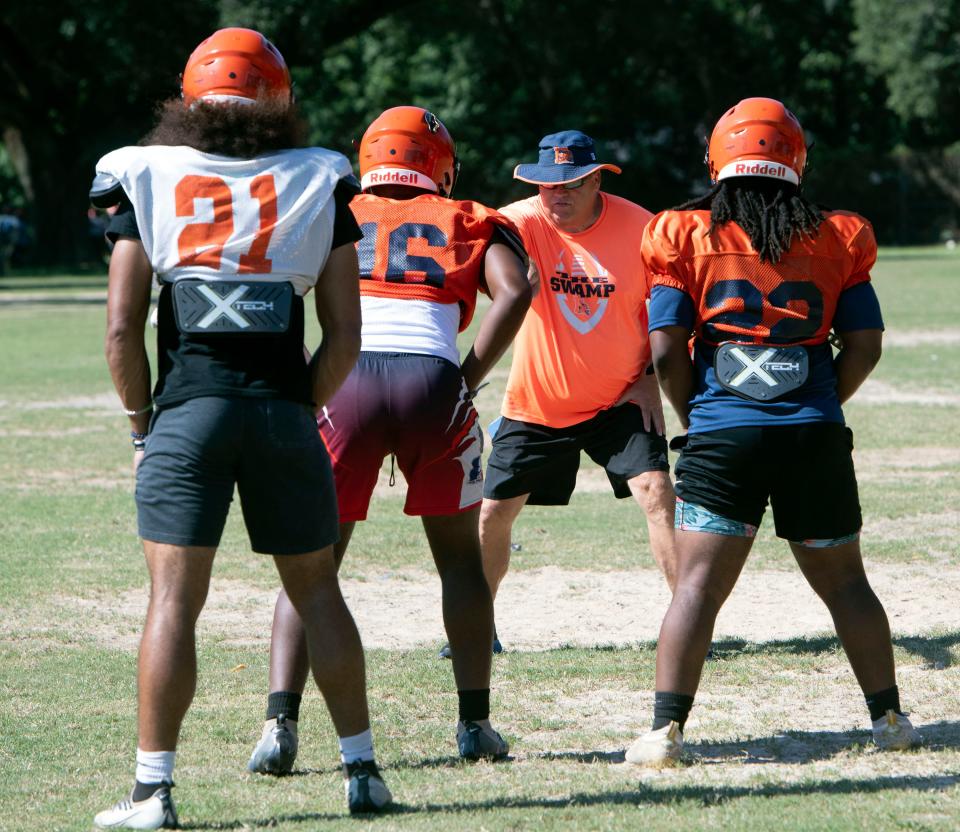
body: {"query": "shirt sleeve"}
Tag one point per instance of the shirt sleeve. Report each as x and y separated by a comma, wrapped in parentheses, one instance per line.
(863, 253)
(345, 228)
(123, 223)
(858, 308)
(670, 307)
(659, 255)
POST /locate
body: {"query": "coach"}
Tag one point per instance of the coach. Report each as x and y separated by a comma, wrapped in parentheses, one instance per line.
(579, 379)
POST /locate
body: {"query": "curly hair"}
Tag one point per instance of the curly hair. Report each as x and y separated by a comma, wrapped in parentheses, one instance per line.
(773, 213)
(238, 130)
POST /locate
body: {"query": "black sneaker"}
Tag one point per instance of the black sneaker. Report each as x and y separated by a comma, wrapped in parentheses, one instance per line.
(366, 791)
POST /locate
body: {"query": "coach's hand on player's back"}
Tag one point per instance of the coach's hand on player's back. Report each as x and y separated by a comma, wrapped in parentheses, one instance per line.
(645, 394)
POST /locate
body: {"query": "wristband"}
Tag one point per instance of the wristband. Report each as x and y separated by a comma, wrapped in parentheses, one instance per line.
(472, 394)
(139, 440)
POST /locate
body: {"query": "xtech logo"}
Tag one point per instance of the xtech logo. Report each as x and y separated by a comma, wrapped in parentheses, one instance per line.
(582, 289)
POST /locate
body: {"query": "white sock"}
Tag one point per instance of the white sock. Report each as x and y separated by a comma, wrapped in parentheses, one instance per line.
(357, 747)
(155, 766)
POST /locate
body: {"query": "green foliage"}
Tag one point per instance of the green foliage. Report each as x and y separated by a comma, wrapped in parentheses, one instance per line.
(915, 48)
(647, 81)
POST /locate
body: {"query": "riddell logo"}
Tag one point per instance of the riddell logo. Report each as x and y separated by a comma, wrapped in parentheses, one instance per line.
(760, 169)
(392, 176)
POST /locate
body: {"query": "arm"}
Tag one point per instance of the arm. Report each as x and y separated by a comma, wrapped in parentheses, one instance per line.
(859, 355)
(510, 290)
(337, 296)
(128, 302)
(671, 360)
(645, 395)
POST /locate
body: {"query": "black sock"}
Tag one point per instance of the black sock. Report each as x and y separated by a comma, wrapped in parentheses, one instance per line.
(141, 791)
(474, 704)
(882, 701)
(284, 702)
(670, 707)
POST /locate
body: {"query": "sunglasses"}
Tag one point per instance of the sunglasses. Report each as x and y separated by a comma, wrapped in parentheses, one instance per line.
(566, 186)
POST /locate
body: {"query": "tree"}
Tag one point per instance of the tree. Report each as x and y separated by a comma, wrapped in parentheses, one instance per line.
(914, 48)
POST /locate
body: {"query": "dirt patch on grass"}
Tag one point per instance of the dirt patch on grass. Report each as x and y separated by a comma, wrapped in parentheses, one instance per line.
(536, 610)
(878, 392)
(920, 337)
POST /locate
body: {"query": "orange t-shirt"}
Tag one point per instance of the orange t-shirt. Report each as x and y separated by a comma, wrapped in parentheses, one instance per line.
(584, 340)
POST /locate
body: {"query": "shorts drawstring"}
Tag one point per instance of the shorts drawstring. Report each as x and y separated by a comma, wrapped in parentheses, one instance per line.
(393, 476)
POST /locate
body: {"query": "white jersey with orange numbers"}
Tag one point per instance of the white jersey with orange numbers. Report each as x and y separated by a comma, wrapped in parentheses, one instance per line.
(209, 217)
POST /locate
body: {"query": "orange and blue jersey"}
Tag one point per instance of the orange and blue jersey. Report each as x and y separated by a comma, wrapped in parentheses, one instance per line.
(716, 285)
(426, 248)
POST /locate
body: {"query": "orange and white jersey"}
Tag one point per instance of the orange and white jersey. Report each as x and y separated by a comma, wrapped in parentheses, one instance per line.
(584, 339)
(421, 266)
(738, 297)
(209, 217)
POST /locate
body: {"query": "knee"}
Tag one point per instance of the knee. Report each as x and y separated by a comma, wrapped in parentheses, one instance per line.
(497, 516)
(654, 492)
(848, 590)
(695, 598)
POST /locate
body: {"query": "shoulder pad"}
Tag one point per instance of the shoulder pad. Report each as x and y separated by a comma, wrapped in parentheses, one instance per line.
(106, 191)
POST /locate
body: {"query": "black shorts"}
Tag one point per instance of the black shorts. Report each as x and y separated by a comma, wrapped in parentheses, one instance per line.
(805, 470)
(540, 461)
(270, 449)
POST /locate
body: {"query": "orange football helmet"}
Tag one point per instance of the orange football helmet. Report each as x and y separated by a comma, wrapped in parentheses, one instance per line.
(235, 65)
(408, 146)
(757, 137)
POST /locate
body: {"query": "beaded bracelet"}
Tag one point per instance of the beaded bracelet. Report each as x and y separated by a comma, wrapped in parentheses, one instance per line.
(145, 409)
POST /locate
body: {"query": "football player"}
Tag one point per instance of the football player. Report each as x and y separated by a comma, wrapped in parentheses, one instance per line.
(761, 277)
(239, 221)
(423, 259)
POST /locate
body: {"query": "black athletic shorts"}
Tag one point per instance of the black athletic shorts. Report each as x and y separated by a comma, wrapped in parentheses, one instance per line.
(269, 448)
(806, 471)
(540, 461)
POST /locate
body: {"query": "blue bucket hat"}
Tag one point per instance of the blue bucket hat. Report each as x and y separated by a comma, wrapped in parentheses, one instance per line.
(564, 157)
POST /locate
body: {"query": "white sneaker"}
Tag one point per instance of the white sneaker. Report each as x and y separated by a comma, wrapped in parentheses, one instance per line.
(277, 749)
(156, 812)
(894, 732)
(658, 749)
(478, 740)
(366, 791)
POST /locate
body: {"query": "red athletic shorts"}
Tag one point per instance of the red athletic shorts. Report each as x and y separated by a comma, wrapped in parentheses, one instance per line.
(413, 406)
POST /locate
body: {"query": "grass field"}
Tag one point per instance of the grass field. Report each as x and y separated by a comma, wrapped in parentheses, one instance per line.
(778, 736)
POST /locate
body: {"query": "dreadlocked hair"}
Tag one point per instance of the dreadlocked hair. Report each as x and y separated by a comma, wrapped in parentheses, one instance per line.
(773, 213)
(242, 131)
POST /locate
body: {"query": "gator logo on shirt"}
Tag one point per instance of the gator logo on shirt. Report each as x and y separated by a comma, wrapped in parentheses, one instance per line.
(581, 290)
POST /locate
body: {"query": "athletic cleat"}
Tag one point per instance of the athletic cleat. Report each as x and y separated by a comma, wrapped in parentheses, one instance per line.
(894, 732)
(277, 749)
(156, 812)
(366, 791)
(445, 652)
(658, 749)
(478, 741)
